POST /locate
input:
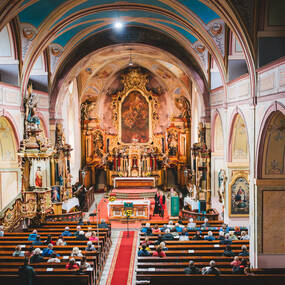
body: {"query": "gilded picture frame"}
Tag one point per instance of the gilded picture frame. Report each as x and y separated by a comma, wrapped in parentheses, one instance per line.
(239, 196)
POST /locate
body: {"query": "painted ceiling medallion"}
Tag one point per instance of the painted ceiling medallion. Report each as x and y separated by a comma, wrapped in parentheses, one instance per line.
(200, 48)
(28, 33)
(216, 29)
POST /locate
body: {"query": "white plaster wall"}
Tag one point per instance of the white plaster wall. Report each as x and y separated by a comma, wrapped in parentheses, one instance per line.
(71, 125)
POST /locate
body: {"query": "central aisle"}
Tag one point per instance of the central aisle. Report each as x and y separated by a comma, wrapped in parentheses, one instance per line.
(122, 267)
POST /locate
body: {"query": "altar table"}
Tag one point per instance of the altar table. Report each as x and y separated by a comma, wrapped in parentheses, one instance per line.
(141, 210)
(130, 182)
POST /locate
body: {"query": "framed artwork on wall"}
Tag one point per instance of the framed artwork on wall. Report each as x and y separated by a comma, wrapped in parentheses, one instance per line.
(239, 196)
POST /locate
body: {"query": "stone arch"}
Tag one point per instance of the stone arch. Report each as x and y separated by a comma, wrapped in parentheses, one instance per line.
(269, 126)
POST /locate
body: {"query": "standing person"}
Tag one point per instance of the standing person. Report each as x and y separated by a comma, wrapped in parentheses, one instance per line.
(26, 273)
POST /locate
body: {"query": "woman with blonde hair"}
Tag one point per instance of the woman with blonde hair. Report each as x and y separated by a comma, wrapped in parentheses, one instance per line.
(76, 252)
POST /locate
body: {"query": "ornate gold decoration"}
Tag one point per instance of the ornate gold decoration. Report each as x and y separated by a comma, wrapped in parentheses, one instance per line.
(184, 106)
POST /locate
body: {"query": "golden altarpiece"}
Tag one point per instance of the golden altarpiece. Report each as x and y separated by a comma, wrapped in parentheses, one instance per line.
(136, 150)
(44, 168)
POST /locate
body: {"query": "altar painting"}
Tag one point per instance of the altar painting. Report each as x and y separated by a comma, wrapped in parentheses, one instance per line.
(239, 196)
(135, 123)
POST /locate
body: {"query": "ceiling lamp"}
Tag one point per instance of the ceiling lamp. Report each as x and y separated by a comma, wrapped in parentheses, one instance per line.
(131, 60)
(118, 25)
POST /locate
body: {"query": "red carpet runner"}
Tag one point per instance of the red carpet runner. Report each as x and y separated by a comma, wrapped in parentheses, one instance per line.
(122, 267)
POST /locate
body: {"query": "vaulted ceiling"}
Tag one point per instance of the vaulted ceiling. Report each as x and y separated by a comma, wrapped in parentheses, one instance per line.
(193, 31)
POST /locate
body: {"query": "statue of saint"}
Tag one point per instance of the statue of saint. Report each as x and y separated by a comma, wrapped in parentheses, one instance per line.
(222, 182)
(38, 178)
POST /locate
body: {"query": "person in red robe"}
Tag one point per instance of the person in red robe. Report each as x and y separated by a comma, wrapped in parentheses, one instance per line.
(39, 178)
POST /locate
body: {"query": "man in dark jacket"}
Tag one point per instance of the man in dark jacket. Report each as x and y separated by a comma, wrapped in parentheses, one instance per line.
(191, 269)
(211, 269)
(26, 273)
(167, 235)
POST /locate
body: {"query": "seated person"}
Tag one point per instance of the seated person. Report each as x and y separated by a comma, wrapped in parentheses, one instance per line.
(37, 241)
(170, 225)
(159, 252)
(211, 269)
(49, 240)
(163, 247)
(78, 229)
(210, 236)
(147, 242)
(221, 235)
(103, 224)
(36, 257)
(76, 252)
(205, 224)
(48, 251)
(33, 235)
(66, 232)
(53, 258)
(237, 231)
(167, 235)
(93, 237)
(81, 236)
(244, 236)
(18, 251)
(232, 235)
(191, 269)
(156, 230)
(71, 264)
(163, 228)
(1, 231)
(146, 229)
(144, 251)
(60, 242)
(197, 236)
(84, 264)
(90, 246)
(191, 224)
(184, 234)
(225, 228)
(89, 232)
(244, 251)
(226, 240)
(29, 253)
(180, 221)
(228, 251)
(236, 261)
(178, 228)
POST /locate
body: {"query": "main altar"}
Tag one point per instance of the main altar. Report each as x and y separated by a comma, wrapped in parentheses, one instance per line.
(135, 146)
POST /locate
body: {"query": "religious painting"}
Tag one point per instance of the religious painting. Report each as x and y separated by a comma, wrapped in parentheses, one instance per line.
(239, 140)
(274, 149)
(239, 196)
(55, 194)
(135, 124)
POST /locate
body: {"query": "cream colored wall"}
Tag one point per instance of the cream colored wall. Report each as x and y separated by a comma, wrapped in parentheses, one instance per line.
(236, 98)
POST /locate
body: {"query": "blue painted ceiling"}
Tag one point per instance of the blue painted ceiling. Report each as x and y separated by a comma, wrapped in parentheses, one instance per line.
(39, 12)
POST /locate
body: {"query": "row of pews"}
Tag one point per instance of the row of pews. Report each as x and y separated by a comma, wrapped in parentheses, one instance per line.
(55, 273)
(170, 269)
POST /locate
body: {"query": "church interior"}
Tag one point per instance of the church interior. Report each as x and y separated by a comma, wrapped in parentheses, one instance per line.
(133, 119)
